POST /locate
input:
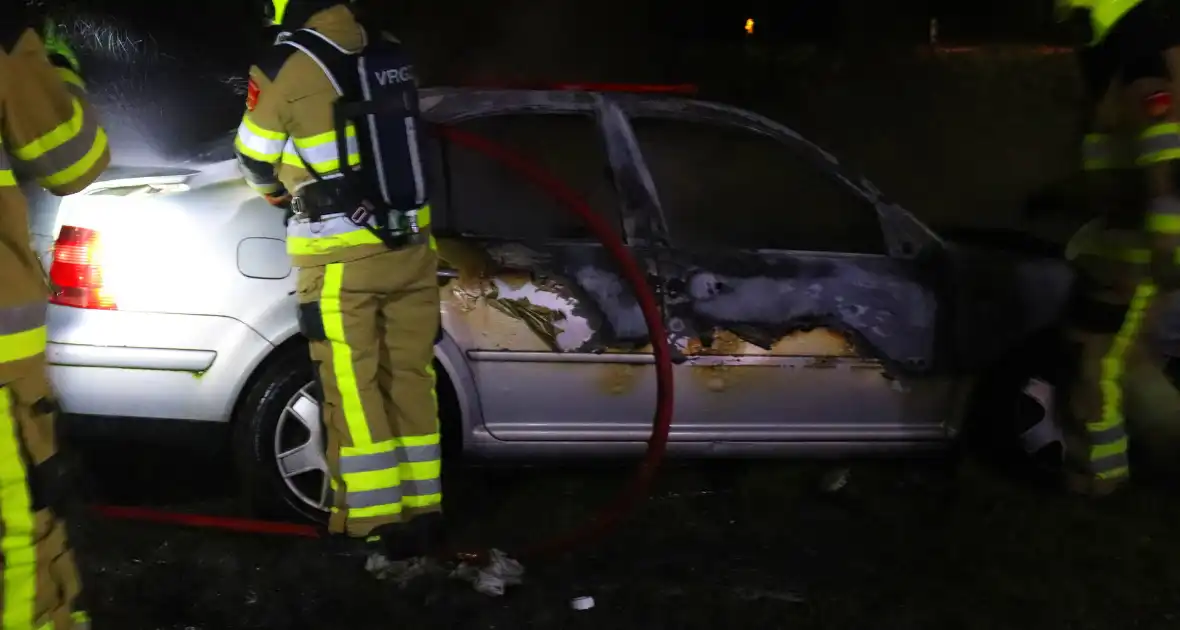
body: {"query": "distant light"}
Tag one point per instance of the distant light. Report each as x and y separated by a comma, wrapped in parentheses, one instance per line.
(749, 26)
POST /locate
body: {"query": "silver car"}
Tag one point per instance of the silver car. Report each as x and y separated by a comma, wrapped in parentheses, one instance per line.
(810, 315)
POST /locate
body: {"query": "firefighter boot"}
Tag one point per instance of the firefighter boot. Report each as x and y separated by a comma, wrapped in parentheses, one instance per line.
(409, 551)
(1076, 476)
(425, 535)
(1085, 485)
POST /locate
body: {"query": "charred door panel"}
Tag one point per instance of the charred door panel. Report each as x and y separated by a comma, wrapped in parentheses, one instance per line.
(556, 340)
(801, 346)
(558, 344)
(795, 324)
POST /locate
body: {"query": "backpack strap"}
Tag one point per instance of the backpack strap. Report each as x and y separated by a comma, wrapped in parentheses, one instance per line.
(339, 66)
(336, 62)
(273, 61)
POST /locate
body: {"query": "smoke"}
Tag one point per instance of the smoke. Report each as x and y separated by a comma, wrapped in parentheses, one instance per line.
(166, 81)
(105, 39)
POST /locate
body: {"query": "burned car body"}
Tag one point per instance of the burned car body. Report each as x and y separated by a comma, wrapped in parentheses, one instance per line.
(815, 349)
(809, 314)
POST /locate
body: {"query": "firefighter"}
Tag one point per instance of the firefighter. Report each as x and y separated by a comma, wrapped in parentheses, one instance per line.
(49, 133)
(1127, 257)
(337, 147)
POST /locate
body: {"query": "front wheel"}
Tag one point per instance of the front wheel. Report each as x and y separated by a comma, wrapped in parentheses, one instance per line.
(1013, 420)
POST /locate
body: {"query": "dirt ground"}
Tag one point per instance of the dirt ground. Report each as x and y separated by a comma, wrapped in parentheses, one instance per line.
(752, 545)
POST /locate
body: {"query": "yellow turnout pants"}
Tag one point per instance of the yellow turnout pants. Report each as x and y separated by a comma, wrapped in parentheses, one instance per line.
(40, 580)
(372, 324)
(1119, 389)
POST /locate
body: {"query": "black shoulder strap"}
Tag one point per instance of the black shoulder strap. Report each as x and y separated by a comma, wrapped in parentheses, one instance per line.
(274, 59)
(336, 62)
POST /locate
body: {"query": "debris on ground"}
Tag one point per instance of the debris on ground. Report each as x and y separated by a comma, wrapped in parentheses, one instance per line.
(835, 480)
(753, 595)
(491, 578)
(403, 572)
(582, 603)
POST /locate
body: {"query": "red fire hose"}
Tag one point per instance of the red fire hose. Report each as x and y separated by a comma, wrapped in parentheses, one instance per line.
(640, 484)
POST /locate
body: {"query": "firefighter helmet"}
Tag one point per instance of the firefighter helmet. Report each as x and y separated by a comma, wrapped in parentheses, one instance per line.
(295, 11)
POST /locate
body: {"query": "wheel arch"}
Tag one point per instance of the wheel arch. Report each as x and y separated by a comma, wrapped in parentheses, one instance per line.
(458, 401)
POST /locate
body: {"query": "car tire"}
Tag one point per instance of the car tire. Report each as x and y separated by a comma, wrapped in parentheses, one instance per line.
(263, 491)
(1001, 409)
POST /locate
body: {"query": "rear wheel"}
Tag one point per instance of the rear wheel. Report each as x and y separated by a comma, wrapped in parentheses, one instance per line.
(280, 441)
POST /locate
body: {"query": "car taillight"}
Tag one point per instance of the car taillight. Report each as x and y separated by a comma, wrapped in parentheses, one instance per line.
(76, 271)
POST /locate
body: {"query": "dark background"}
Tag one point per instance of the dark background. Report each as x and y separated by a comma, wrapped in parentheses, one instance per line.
(958, 136)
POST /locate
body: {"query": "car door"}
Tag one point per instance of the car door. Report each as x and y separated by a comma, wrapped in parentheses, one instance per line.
(795, 324)
(553, 335)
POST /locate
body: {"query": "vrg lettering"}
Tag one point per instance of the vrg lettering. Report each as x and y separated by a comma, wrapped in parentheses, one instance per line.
(394, 76)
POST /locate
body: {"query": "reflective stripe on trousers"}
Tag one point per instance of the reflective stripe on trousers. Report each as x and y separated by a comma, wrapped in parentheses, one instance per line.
(1108, 437)
(380, 478)
(6, 176)
(16, 517)
(307, 238)
(22, 331)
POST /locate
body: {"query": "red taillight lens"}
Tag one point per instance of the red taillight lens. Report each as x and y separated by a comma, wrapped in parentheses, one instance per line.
(77, 270)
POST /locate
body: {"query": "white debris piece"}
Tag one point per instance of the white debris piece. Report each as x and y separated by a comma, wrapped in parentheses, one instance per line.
(492, 578)
(402, 572)
(1046, 431)
(582, 603)
(835, 480)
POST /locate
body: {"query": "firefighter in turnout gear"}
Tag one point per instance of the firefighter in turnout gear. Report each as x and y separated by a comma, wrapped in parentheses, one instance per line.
(330, 132)
(1127, 258)
(49, 134)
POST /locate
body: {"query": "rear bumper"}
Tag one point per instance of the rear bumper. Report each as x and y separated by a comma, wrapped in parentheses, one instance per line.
(150, 365)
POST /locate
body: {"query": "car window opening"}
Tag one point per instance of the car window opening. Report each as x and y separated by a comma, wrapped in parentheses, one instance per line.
(496, 202)
(724, 186)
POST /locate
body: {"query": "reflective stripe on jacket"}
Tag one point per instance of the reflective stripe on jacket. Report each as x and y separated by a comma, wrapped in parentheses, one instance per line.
(291, 124)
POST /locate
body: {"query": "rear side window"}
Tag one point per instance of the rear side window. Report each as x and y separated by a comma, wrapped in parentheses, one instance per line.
(725, 186)
(490, 199)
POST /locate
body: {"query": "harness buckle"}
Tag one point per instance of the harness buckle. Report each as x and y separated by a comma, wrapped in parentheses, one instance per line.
(363, 213)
